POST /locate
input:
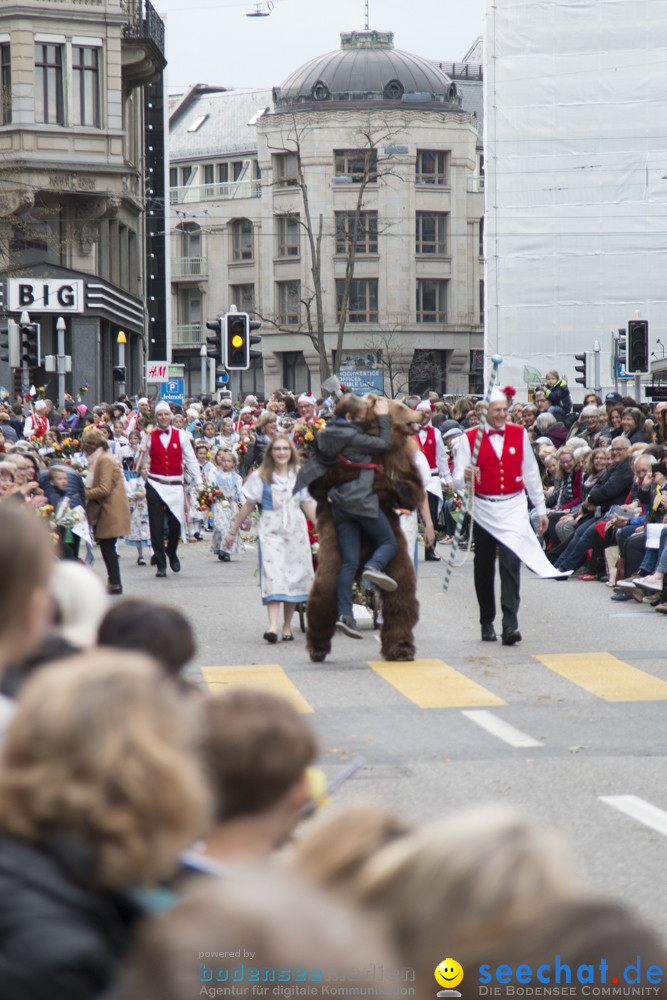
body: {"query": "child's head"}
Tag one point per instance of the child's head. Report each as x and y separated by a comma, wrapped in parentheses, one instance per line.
(351, 407)
(57, 477)
(49, 439)
(551, 377)
(201, 451)
(134, 439)
(227, 426)
(225, 460)
(6, 478)
(209, 429)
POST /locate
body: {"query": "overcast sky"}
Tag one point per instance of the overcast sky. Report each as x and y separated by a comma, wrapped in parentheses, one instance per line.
(216, 43)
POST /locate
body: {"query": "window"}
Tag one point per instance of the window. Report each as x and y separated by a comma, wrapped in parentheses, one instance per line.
(242, 239)
(223, 173)
(359, 164)
(186, 174)
(481, 301)
(481, 237)
(173, 177)
(5, 84)
(49, 103)
(367, 232)
(432, 167)
(287, 232)
(476, 376)
(190, 306)
(191, 240)
(431, 233)
(85, 86)
(243, 297)
(285, 170)
(431, 301)
(362, 306)
(237, 168)
(289, 305)
(209, 173)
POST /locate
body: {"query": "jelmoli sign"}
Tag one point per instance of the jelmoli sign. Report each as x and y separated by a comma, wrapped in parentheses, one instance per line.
(45, 295)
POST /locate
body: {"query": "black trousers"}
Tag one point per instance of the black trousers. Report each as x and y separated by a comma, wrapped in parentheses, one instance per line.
(433, 503)
(157, 509)
(110, 556)
(509, 564)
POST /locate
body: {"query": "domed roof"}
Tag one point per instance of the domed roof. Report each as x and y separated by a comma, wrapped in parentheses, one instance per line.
(367, 68)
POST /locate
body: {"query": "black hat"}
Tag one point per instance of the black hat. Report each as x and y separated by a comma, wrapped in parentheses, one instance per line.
(613, 397)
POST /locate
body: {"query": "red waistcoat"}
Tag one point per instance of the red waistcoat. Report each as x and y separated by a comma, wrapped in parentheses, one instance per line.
(166, 461)
(428, 448)
(499, 475)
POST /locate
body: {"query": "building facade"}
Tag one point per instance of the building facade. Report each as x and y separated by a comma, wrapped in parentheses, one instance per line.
(353, 188)
(76, 176)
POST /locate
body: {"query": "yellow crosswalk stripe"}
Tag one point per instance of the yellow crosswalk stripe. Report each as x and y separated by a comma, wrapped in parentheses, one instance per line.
(434, 684)
(267, 676)
(606, 677)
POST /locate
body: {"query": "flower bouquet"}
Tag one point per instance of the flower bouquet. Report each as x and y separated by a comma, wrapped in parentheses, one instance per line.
(304, 436)
(210, 495)
(66, 516)
(70, 446)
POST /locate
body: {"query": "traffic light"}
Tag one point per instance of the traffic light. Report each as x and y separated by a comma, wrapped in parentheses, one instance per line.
(30, 354)
(254, 324)
(582, 379)
(10, 344)
(214, 344)
(622, 347)
(120, 373)
(638, 346)
(237, 341)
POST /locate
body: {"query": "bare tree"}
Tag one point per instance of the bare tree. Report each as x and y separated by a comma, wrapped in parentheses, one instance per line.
(402, 368)
(374, 167)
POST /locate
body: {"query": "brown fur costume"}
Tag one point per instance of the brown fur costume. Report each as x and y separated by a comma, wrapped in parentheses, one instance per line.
(401, 487)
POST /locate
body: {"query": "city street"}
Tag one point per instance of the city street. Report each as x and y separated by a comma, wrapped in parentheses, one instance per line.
(568, 725)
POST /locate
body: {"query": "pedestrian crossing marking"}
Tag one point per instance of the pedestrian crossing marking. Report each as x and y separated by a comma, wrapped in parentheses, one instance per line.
(267, 676)
(434, 684)
(606, 677)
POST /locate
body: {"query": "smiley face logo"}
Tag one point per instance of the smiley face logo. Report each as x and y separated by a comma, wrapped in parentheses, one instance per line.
(448, 973)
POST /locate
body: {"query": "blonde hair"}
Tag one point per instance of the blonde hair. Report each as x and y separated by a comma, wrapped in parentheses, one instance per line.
(268, 467)
(334, 850)
(463, 879)
(99, 747)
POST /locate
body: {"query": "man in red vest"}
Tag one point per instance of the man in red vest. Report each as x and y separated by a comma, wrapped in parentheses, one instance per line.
(506, 469)
(168, 448)
(434, 450)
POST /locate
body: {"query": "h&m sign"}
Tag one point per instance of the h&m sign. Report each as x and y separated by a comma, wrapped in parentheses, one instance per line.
(44, 295)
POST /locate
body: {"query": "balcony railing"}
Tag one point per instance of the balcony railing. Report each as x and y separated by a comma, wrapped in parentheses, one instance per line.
(144, 23)
(476, 184)
(189, 267)
(187, 333)
(214, 192)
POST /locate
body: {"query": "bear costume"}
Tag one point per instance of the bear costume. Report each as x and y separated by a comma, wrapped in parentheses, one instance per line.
(399, 487)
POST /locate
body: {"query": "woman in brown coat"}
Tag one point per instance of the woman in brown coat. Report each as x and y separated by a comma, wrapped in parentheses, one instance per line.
(107, 505)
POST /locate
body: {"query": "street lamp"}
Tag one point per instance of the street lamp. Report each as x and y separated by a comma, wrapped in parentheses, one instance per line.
(61, 326)
(203, 354)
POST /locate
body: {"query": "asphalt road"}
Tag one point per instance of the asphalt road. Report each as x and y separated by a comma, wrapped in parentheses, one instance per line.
(584, 696)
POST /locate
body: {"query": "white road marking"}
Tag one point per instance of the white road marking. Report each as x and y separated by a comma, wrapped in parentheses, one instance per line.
(639, 809)
(498, 727)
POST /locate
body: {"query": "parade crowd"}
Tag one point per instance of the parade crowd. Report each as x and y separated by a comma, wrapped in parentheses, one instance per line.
(158, 842)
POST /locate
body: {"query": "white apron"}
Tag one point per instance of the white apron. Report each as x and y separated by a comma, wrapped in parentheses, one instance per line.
(508, 522)
(173, 494)
(285, 558)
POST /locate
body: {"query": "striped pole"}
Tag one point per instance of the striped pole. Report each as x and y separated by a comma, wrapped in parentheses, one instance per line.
(496, 361)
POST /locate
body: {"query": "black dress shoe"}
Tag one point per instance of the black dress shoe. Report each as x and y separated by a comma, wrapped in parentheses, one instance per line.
(510, 636)
(431, 556)
(161, 572)
(488, 633)
(153, 560)
(175, 563)
(271, 637)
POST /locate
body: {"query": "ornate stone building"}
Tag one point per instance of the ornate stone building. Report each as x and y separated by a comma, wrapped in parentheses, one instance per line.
(81, 150)
(353, 188)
